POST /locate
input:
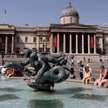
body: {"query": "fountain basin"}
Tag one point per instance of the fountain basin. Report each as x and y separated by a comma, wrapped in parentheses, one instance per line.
(14, 93)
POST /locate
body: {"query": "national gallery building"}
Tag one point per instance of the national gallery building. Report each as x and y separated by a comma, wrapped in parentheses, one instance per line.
(69, 36)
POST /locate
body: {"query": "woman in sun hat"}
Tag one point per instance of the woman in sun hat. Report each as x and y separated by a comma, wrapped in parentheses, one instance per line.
(103, 78)
(86, 75)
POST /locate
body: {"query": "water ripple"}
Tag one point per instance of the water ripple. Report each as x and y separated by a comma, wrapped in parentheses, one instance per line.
(89, 97)
(5, 97)
(9, 89)
(35, 103)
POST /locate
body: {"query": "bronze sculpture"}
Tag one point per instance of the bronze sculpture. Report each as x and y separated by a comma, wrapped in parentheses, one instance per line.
(48, 69)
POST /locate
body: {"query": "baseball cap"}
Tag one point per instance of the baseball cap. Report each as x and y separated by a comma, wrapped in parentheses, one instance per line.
(102, 66)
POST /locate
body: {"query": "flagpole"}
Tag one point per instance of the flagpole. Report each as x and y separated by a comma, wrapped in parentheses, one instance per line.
(69, 1)
(4, 16)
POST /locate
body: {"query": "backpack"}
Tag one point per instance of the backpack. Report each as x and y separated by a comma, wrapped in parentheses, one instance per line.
(81, 69)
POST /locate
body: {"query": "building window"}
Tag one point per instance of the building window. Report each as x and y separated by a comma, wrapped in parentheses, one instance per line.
(40, 38)
(18, 39)
(70, 19)
(17, 50)
(34, 39)
(26, 39)
(47, 39)
(63, 20)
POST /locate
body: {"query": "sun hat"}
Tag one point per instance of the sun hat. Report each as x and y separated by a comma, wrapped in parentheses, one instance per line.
(102, 66)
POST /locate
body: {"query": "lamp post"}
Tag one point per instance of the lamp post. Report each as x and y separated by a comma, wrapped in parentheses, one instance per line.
(44, 40)
(43, 46)
(35, 43)
(2, 56)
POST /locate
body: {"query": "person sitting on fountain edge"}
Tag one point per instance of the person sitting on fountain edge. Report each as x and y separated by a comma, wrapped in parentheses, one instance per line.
(103, 78)
(86, 75)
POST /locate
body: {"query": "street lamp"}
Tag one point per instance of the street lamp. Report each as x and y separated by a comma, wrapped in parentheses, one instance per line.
(44, 40)
(2, 56)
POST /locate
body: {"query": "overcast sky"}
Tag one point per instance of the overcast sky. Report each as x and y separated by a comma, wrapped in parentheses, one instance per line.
(45, 12)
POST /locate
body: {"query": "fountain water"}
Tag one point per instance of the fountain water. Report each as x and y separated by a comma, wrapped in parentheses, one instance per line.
(14, 93)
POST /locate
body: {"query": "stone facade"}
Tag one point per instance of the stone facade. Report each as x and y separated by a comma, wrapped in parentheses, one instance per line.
(69, 36)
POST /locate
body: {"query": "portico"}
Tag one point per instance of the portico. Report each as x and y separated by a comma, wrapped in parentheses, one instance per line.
(7, 38)
(7, 43)
(73, 43)
(70, 36)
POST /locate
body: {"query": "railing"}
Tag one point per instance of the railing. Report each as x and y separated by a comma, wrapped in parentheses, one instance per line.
(7, 57)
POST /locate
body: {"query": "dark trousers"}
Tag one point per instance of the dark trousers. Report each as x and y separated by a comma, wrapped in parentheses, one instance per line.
(81, 75)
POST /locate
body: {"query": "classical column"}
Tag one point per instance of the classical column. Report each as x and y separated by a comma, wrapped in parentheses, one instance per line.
(51, 43)
(58, 43)
(82, 43)
(6, 43)
(38, 43)
(64, 43)
(70, 43)
(76, 43)
(88, 44)
(94, 44)
(12, 46)
(101, 41)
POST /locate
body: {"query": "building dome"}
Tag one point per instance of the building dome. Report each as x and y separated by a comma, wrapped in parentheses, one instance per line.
(69, 15)
(69, 11)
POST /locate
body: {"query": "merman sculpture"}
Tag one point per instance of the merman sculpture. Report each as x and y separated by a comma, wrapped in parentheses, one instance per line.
(48, 69)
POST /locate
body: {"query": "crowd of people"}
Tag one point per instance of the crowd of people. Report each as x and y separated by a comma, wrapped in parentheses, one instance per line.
(85, 73)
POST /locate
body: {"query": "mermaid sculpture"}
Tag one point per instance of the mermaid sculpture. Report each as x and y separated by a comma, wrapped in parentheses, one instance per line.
(48, 69)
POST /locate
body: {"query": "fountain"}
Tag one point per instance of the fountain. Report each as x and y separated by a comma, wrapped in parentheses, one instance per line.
(48, 69)
(14, 93)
